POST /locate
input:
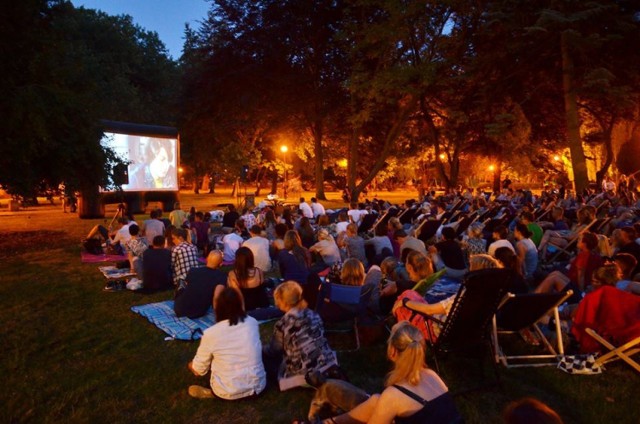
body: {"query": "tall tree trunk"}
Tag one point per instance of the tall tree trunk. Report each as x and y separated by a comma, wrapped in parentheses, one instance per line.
(578, 160)
(608, 144)
(497, 176)
(319, 162)
(352, 161)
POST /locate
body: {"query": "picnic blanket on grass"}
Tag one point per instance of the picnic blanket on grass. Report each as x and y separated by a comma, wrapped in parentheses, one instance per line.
(162, 316)
(88, 258)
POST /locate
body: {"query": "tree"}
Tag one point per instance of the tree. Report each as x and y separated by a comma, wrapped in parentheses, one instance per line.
(64, 69)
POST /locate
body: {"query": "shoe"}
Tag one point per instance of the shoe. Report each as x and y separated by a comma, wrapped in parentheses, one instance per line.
(114, 286)
(200, 392)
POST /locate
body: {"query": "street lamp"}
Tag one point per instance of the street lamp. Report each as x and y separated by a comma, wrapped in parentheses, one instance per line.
(284, 149)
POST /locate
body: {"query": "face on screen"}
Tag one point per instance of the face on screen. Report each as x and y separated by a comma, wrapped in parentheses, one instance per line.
(152, 160)
(160, 165)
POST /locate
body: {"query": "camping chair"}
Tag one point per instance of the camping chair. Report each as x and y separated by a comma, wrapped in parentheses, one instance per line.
(465, 222)
(427, 229)
(521, 311)
(609, 318)
(406, 216)
(573, 243)
(367, 223)
(341, 306)
(465, 330)
(384, 219)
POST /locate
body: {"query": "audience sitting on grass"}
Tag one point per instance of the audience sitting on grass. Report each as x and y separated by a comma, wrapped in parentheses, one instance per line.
(177, 216)
(562, 238)
(408, 244)
(114, 240)
(353, 244)
(627, 263)
(135, 249)
(229, 219)
(259, 246)
(232, 241)
(380, 241)
(341, 225)
(499, 235)
(152, 227)
(306, 232)
(447, 254)
(201, 230)
(580, 271)
(298, 345)
(269, 223)
(278, 243)
(231, 351)
(248, 280)
(317, 208)
(184, 256)
(474, 244)
(156, 266)
(294, 260)
(526, 251)
(413, 393)
(201, 285)
(326, 250)
(417, 267)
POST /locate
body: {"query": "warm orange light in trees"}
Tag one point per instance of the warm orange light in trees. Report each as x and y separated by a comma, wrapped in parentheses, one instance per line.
(180, 170)
(492, 168)
(556, 158)
(284, 149)
(342, 163)
(442, 156)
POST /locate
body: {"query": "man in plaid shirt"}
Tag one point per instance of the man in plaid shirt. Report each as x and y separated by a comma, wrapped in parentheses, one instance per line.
(184, 256)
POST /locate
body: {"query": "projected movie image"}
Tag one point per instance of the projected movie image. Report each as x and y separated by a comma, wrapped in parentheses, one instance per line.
(152, 161)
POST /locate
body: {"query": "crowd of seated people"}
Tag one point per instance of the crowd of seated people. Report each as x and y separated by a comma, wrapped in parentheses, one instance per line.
(512, 229)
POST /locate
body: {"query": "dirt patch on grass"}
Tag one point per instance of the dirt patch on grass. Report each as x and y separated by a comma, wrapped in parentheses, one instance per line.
(14, 243)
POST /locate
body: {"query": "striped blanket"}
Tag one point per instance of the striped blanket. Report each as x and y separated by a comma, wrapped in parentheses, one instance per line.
(162, 316)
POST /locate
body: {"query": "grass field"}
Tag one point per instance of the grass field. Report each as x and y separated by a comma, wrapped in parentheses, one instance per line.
(73, 353)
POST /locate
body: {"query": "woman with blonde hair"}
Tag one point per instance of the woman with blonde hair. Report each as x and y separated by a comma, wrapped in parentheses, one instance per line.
(413, 393)
(352, 273)
(298, 344)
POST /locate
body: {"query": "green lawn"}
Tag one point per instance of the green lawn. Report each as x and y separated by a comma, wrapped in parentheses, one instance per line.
(73, 353)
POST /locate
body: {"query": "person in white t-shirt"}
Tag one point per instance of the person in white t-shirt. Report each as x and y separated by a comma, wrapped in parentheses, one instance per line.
(305, 208)
(233, 241)
(356, 214)
(500, 234)
(317, 208)
(259, 246)
(232, 351)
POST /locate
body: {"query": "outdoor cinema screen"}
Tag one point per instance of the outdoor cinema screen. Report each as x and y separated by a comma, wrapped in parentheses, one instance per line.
(152, 161)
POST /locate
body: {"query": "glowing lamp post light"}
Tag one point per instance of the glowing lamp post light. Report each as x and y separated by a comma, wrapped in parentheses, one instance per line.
(284, 149)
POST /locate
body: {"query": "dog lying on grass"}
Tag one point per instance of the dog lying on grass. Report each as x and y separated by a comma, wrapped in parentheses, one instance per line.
(333, 397)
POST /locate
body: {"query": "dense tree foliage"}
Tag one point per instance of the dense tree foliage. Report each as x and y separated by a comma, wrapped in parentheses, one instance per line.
(63, 70)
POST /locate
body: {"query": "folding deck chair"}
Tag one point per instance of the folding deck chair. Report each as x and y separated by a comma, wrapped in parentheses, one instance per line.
(571, 247)
(407, 215)
(427, 229)
(521, 311)
(465, 329)
(384, 219)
